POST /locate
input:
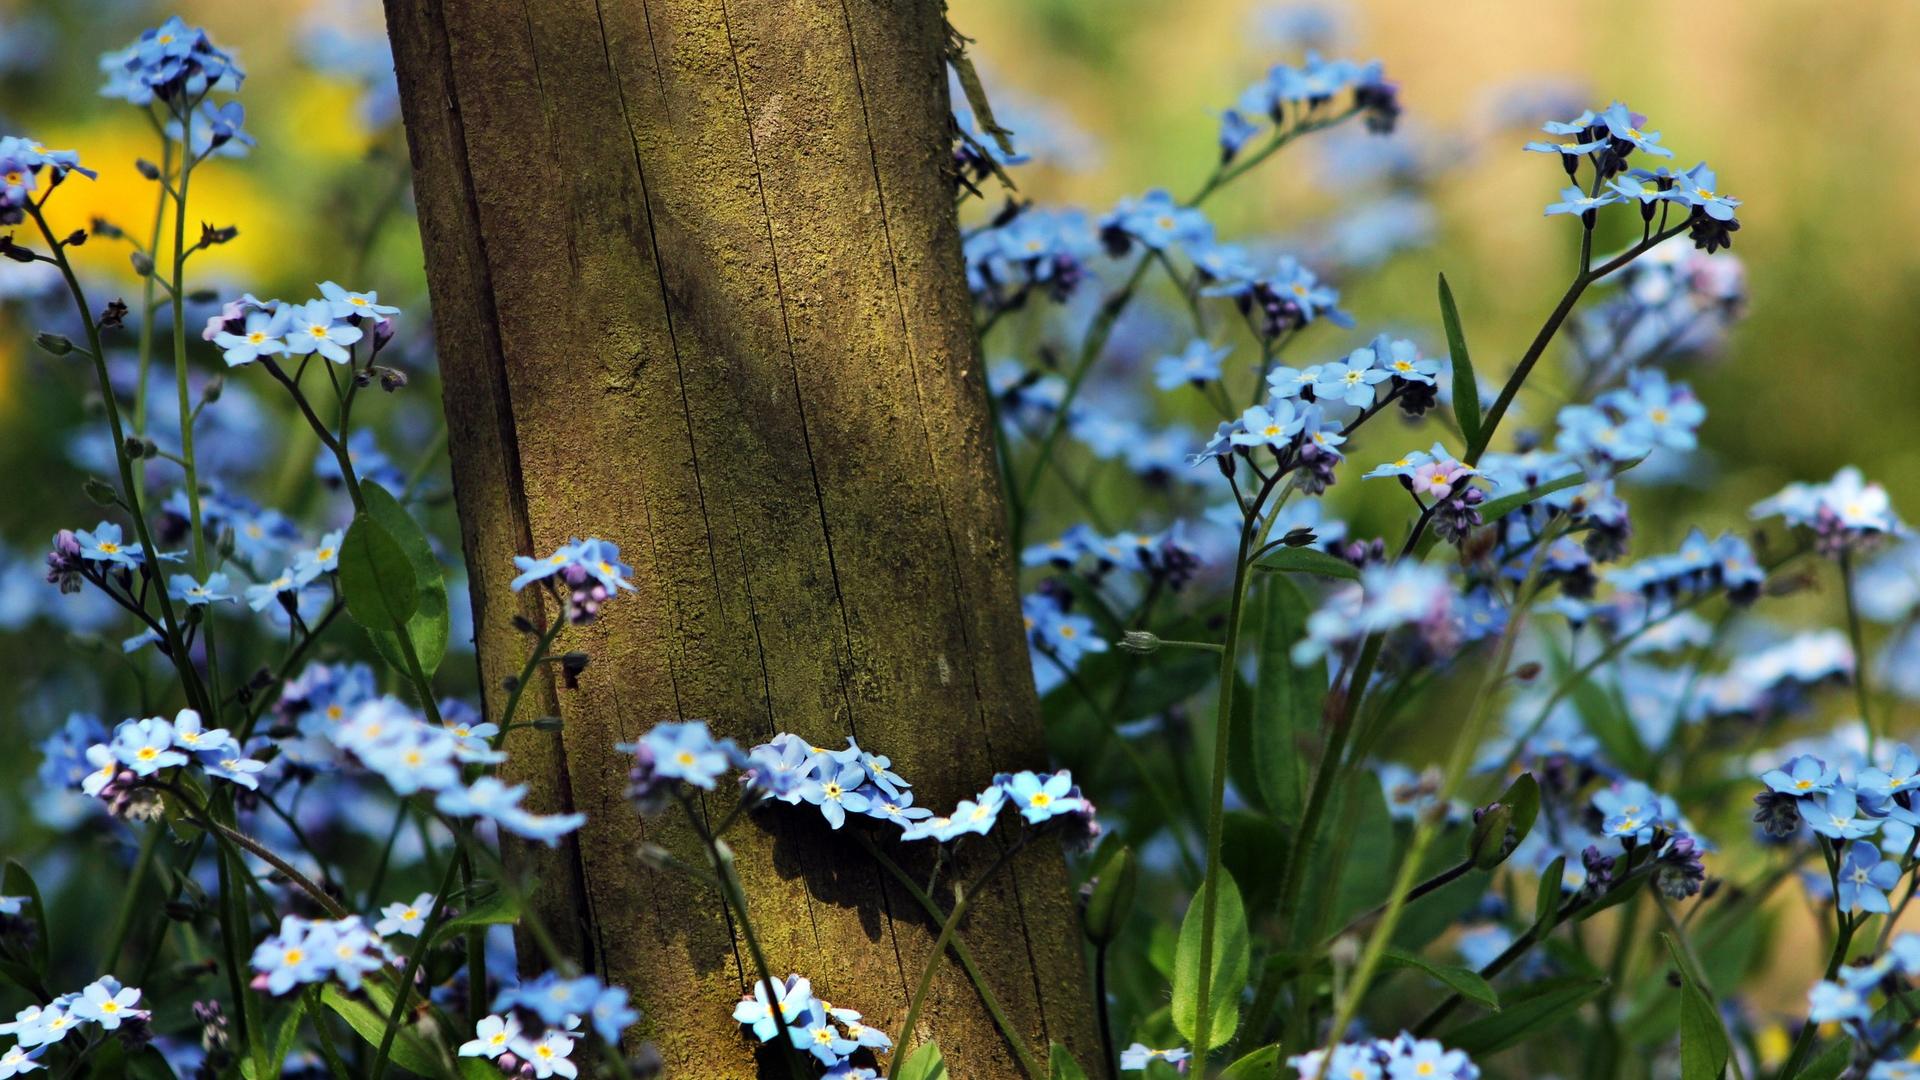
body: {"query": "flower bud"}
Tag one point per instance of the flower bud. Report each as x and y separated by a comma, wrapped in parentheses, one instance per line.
(1140, 641)
(56, 344)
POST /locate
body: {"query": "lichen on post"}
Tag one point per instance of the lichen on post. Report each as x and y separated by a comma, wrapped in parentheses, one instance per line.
(697, 287)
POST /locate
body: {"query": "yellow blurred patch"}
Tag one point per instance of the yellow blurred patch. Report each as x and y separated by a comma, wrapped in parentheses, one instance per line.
(319, 120)
(221, 192)
(1773, 1045)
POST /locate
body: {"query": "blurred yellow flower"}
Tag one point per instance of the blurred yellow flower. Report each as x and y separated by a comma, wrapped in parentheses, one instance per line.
(222, 192)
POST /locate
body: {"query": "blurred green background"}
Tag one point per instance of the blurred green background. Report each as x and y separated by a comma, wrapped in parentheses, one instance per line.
(1802, 107)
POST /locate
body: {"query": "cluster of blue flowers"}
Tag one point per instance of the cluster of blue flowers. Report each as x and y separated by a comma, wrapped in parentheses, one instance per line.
(832, 1036)
(1846, 514)
(104, 1003)
(1874, 803)
(308, 951)
(1607, 140)
(590, 572)
(248, 330)
(142, 748)
(174, 63)
(1402, 1057)
(1300, 94)
(841, 782)
(412, 755)
(1849, 1001)
(23, 165)
(1387, 597)
(558, 1006)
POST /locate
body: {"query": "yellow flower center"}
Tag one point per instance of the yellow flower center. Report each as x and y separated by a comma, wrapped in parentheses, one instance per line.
(292, 956)
(109, 547)
(1041, 798)
(255, 338)
(147, 753)
(684, 758)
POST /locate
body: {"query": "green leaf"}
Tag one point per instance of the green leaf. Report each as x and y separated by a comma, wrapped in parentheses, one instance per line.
(282, 1043)
(1287, 699)
(1524, 1012)
(1300, 560)
(1704, 1046)
(1494, 509)
(17, 882)
(1467, 984)
(1831, 1063)
(1228, 976)
(1466, 390)
(1262, 1064)
(1524, 796)
(1251, 846)
(410, 1051)
(376, 576)
(1546, 901)
(431, 623)
(1061, 1066)
(1364, 849)
(501, 907)
(925, 1064)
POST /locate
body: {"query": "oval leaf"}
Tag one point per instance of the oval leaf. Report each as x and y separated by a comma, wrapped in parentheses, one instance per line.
(376, 576)
(1287, 699)
(925, 1064)
(1307, 561)
(431, 624)
(1229, 964)
(1467, 984)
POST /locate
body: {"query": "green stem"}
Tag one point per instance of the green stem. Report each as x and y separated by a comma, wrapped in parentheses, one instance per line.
(1216, 804)
(1032, 1067)
(403, 990)
(129, 900)
(180, 346)
(129, 487)
(1466, 741)
(1861, 693)
(962, 902)
(317, 1015)
(1587, 276)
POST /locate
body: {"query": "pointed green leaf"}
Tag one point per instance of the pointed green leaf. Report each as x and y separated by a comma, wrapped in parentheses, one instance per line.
(1704, 1046)
(1262, 1064)
(1287, 699)
(1228, 976)
(18, 882)
(1832, 1061)
(925, 1063)
(1524, 796)
(1300, 560)
(501, 907)
(1061, 1066)
(431, 624)
(410, 1051)
(1524, 1012)
(1466, 390)
(1546, 902)
(1467, 984)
